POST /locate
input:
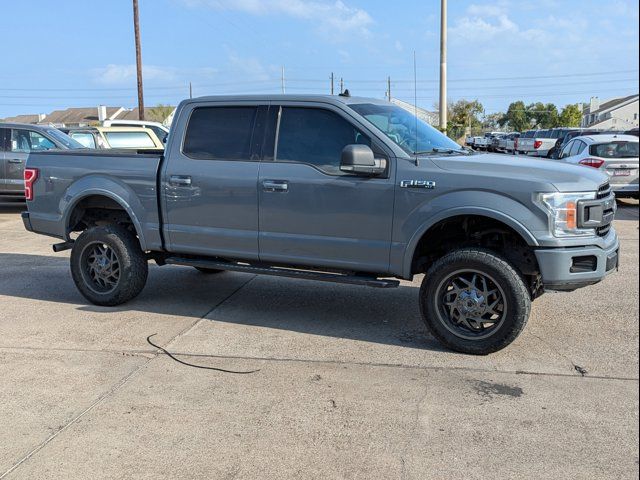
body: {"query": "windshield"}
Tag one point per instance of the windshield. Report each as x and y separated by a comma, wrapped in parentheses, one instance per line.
(615, 150)
(411, 134)
(64, 139)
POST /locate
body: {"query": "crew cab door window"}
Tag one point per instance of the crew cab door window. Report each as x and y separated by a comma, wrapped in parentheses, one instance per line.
(219, 133)
(25, 141)
(316, 137)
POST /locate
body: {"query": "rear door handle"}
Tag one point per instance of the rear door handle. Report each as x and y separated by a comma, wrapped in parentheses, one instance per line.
(15, 160)
(180, 180)
(275, 186)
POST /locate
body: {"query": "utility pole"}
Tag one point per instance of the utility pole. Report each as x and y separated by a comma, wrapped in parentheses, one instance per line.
(136, 30)
(443, 65)
(389, 88)
(341, 85)
(331, 83)
(282, 80)
(190, 90)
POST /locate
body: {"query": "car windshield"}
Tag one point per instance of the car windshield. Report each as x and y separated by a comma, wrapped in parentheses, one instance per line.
(413, 135)
(64, 139)
(615, 150)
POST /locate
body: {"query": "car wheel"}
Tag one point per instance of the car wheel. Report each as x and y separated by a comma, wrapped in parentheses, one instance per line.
(473, 301)
(108, 266)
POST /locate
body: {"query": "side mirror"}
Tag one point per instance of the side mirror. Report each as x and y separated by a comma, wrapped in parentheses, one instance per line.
(359, 160)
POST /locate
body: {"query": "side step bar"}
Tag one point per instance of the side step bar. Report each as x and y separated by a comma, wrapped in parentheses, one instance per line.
(285, 272)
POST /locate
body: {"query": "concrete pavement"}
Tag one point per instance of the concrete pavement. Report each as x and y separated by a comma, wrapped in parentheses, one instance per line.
(350, 384)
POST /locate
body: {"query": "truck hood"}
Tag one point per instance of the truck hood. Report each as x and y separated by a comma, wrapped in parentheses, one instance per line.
(564, 177)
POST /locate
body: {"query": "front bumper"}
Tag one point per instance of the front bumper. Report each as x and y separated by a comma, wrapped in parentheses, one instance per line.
(567, 269)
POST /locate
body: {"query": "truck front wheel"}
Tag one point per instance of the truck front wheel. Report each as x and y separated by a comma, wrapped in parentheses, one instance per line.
(474, 301)
(108, 266)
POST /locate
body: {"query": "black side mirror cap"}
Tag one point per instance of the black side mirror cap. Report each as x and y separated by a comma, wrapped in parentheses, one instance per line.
(360, 160)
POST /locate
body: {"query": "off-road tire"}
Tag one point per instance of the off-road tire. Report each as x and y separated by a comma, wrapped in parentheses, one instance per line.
(133, 266)
(518, 299)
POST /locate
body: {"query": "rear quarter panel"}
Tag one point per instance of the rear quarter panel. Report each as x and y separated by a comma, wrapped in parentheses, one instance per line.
(65, 179)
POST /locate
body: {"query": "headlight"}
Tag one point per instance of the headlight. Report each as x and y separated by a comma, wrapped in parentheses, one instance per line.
(562, 209)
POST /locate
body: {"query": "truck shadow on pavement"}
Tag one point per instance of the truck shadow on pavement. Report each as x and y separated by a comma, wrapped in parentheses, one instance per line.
(343, 311)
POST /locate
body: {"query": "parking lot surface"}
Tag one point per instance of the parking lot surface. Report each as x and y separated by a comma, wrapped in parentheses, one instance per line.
(349, 385)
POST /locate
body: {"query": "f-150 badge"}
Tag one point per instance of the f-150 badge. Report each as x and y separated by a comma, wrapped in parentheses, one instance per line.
(428, 184)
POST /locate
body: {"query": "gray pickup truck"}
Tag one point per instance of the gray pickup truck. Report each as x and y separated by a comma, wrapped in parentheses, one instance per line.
(332, 188)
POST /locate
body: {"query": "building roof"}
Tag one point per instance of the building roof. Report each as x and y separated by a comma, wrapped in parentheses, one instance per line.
(28, 118)
(612, 104)
(429, 117)
(77, 115)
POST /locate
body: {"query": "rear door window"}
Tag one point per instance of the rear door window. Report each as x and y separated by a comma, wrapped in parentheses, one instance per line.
(25, 141)
(575, 148)
(220, 133)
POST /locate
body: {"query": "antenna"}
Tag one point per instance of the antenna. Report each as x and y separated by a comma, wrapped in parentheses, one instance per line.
(415, 100)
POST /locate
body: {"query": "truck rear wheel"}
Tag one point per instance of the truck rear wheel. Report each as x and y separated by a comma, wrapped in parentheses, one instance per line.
(108, 266)
(474, 301)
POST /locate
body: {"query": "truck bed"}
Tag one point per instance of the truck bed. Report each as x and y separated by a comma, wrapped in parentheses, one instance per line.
(71, 176)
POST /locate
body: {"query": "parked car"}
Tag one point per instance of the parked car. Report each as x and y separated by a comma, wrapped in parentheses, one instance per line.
(484, 142)
(527, 134)
(495, 141)
(88, 136)
(506, 144)
(159, 129)
(333, 188)
(633, 131)
(537, 145)
(17, 140)
(615, 155)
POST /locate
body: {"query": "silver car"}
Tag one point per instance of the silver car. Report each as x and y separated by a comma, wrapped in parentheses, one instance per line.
(616, 155)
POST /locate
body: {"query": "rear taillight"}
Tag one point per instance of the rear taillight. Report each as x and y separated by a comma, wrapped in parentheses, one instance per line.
(592, 162)
(30, 176)
(537, 144)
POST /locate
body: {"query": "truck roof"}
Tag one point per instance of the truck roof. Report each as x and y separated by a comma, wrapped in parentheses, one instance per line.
(334, 99)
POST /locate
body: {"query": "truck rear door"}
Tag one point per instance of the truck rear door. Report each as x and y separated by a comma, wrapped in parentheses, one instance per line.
(209, 182)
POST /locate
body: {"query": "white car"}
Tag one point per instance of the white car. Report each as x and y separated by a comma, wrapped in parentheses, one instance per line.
(615, 155)
(159, 129)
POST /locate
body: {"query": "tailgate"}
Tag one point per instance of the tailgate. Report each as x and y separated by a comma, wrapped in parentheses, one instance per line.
(622, 170)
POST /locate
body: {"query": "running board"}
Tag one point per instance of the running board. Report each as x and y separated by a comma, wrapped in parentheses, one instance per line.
(285, 272)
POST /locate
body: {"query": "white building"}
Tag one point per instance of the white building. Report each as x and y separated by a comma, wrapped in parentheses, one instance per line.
(616, 114)
(430, 117)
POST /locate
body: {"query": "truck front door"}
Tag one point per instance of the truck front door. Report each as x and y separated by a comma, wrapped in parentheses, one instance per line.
(313, 214)
(209, 183)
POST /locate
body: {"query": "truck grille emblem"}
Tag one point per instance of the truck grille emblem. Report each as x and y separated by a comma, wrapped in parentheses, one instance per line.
(428, 184)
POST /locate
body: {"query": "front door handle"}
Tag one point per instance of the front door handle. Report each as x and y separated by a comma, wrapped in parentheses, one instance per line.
(180, 180)
(275, 186)
(15, 160)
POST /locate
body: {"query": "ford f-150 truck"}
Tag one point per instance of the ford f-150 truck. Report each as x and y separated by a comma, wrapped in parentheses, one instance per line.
(332, 188)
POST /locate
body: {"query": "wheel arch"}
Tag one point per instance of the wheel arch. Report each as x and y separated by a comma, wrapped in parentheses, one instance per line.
(453, 214)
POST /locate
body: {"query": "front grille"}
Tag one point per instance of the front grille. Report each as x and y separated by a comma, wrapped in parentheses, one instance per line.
(602, 231)
(604, 191)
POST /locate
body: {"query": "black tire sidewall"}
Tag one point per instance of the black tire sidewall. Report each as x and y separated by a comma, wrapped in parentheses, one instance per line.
(133, 264)
(516, 295)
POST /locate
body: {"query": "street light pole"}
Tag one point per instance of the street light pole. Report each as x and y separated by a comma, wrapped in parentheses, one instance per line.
(443, 65)
(136, 30)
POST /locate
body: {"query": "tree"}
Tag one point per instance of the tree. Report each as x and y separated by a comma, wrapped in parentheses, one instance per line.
(571, 116)
(463, 115)
(543, 115)
(159, 113)
(493, 121)
(516, 117)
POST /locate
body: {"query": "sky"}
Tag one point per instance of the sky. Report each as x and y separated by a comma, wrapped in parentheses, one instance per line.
(73, 53)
